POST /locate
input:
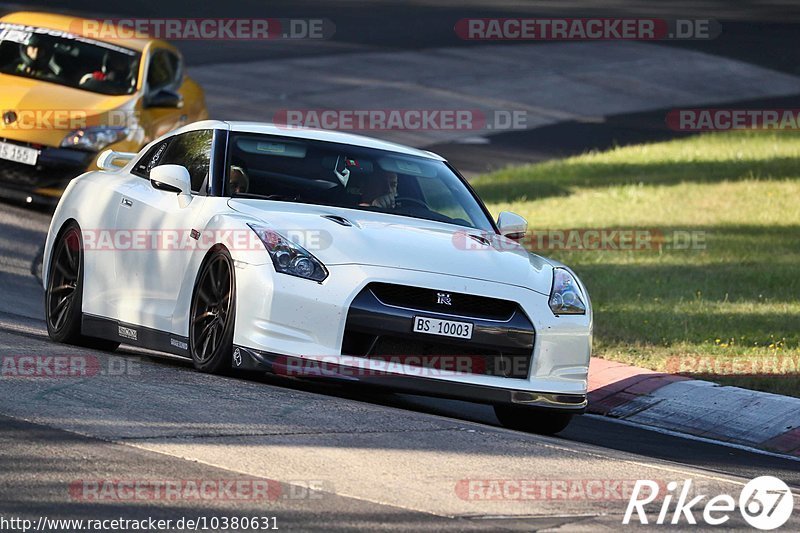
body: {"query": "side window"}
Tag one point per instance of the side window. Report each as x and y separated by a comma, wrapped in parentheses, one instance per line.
(150, 159)
(164, 70)
(193, 151)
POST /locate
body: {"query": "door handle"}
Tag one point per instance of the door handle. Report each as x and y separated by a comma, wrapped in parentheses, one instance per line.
(127, 202)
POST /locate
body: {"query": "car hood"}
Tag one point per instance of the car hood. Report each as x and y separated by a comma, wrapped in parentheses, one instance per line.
(47, 111)
(379, 239)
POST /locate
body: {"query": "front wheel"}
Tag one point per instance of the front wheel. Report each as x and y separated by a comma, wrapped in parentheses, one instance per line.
(64, 294)
(531, 420)
(212, 314)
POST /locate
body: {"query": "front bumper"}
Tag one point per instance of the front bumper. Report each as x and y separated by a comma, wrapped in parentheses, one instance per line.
(297, 367)
(44, 182)
(280, 314)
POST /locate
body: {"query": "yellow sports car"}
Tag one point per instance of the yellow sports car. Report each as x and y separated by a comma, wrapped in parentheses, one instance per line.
(65, 96)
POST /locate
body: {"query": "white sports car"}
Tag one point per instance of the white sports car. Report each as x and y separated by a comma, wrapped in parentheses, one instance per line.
(317, 254)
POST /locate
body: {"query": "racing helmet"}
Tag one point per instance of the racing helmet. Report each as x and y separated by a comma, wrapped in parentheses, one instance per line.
(41, 59)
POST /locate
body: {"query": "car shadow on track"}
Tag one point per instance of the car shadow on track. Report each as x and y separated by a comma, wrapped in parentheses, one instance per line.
(590, 430)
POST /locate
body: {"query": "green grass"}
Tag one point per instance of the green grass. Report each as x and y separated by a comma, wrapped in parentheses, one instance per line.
(737, 300)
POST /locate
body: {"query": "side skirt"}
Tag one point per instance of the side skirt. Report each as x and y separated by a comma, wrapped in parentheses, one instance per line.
(152, 339)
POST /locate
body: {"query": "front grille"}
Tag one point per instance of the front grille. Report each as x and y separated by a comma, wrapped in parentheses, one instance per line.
(380, 322)
(467, 305)
(438, 355)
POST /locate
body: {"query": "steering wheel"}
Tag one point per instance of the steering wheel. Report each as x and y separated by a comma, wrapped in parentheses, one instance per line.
(403, 199)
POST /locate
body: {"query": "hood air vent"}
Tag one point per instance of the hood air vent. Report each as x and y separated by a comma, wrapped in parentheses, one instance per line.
(339, 220)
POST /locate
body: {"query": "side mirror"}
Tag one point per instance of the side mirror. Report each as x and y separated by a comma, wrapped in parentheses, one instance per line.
(175, 179)
(511, 225)
(171, 178)
(164, 98)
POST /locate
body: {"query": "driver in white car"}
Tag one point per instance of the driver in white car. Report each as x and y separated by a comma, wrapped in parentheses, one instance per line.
(380, 191)
(238, 182)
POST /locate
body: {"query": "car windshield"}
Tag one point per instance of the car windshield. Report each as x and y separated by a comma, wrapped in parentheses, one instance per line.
(66, 59)
(340, 175)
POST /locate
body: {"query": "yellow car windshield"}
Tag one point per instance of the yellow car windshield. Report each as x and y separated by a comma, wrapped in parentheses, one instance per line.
(67, 59)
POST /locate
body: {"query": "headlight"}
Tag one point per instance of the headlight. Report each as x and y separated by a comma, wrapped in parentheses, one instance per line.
(290, 258)
(94, 138)
(566, 297)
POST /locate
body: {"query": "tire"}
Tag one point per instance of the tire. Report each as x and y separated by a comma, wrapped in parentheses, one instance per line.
(64, 294)
(531, 420)
(212, 314)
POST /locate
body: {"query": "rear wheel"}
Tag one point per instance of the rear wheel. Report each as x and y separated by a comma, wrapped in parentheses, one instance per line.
(531, 420)
(64, 293)
(212, 314)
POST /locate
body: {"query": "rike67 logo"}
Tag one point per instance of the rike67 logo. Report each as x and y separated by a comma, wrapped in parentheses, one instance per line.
(765, 503)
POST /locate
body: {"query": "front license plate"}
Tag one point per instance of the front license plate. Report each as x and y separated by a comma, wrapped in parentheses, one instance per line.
(445, 328)
(19, 154)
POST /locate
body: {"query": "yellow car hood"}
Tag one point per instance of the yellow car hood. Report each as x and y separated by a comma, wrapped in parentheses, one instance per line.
(46, 112)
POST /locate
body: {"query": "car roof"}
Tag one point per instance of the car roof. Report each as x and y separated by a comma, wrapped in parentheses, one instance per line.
(328, 136)
(75, 26)
(332, 136)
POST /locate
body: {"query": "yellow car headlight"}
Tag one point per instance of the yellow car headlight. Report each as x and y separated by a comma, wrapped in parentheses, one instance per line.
(94, 138)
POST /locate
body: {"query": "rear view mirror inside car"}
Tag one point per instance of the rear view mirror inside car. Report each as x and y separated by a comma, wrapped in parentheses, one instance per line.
(259, 146)
(407, 166)
(339, 163)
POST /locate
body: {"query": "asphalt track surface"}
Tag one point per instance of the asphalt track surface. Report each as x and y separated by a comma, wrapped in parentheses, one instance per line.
(380, 460)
